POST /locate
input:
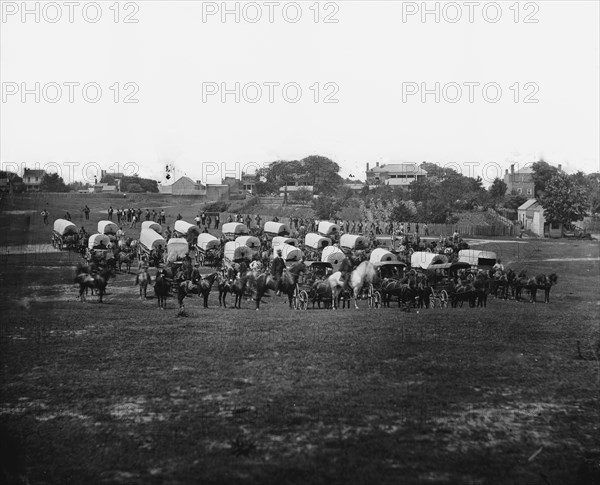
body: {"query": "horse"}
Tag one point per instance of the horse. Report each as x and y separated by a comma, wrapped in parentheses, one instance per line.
(532, 284)
(459, 293)
(365, 273)
(97, 281)
(125, 257)
(319, 292)
(203, 288)
(238, 288)
(392, 287)
(161, 289)
(287, 283)
(224, 285)
(481, 285)
(143, 279)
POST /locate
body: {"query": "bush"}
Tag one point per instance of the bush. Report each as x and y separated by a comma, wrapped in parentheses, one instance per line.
(218, 206)
(135, 188)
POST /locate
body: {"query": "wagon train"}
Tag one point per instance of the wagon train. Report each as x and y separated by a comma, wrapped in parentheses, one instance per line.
(208, 251)
(274, 229)
(64, 235)
(152, 246)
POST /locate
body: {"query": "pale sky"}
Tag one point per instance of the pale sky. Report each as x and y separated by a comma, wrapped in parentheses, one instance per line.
(374, 61)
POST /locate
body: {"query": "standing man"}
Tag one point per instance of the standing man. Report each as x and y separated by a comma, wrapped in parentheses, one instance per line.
(277, 271)
(118, 216)
(86, 211)
(203, 218)
(426, 229)
(217, 220)
(110, 213)
(197, 219)
(45, 215)
(208, 221)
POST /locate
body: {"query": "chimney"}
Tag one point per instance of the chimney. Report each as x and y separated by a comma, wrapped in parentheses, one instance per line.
(506, 172)
(377, 164)
(559, 167)
(367, 166)
(512, 169)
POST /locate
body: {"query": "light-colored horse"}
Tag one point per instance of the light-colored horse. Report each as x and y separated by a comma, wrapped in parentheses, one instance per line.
(364, 274)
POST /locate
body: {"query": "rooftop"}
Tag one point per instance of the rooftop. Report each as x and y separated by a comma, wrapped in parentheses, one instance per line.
(399, 167)
(527, 205)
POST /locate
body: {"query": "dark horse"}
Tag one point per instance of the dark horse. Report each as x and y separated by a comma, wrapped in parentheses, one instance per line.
(287, 283)
(161, 289)
(94, 281)
(239, 287)
(203, 288)
(224, 284)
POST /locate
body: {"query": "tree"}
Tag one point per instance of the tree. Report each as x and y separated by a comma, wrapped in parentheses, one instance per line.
(135, 188)
(301, 196)
(515, 201)
(147, 185)
(497, 190)
(326, 207)
(542, 173)
(402, 213)
(52, 182)
(564, 200)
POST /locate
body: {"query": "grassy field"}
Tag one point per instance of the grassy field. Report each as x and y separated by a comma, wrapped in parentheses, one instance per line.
(122, 392)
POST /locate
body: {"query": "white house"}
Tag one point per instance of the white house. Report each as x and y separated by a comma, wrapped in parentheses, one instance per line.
(531, 217)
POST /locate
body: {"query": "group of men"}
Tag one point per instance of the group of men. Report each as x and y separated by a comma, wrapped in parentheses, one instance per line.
(205, 220)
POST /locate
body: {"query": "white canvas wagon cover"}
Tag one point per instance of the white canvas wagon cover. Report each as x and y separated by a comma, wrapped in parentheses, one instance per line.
(333, 255)
(151, 239)
(379, 255)
(177, 248)
(96, 239)
(207, 241)
(425, 260)
(280, 240)
(352, 241)
(327, 228)
(316, 241)
(276, 228)
(64, 227)
(235, 229)
(185, 228)
(289, 252)
(477, 258)
(251, 241)
(234, 251)
(155, 226)
(107, 227)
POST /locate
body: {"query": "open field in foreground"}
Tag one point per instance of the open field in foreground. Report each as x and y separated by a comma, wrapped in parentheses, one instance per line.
(122, 392)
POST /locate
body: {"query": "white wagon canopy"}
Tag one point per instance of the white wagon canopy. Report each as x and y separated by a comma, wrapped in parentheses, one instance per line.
(234, 251)
(477, 258)
(207, 241)
(327, 228)
(289, 252)
(185, 228)
(177, 248)
(279, 241)
(316, 241)
(380, 255)
(107, 227)
(64, 227)
(152, 240)
(425, 260)
(234, 229)
(155, 226)
(333, 255)
(352, 241)
(276, 229)
(251, 241)
(98, 239)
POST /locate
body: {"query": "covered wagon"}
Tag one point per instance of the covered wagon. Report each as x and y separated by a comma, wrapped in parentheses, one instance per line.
(98, 249)
(273, 228)
(380, 255)
(108, 228)
(155, 226)
(98, 241)
(232, 230)
(183, 229)
(316, 241)
(208, 250)
(327, 228)
(151, 245)
(251, 241)
(425, 260)
(477, 259)
(352, 241)
(65, 234)
(235, 252)
(177, 249)
(289, 253)
(279, 240)
(333, 255)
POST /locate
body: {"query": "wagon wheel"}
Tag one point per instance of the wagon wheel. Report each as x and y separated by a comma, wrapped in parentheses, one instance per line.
(376, 299)
(295, 298)
(444, 299)
(303, 300)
